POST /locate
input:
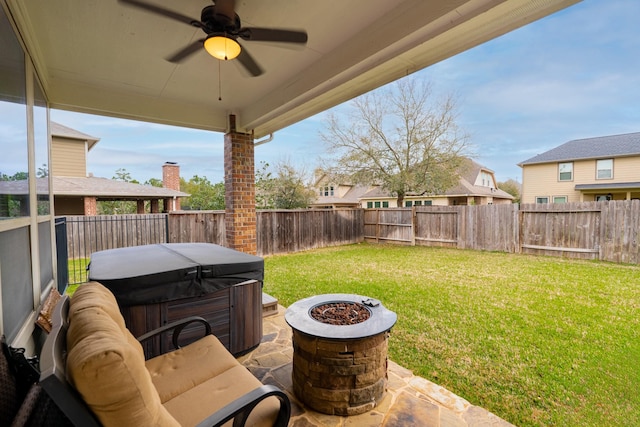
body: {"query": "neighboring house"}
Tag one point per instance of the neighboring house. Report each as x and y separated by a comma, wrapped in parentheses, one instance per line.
(584, 170)
(477, 186)
(332, 195)
(77, 193)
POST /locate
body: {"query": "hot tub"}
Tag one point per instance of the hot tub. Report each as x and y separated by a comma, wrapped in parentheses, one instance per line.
(158, 284)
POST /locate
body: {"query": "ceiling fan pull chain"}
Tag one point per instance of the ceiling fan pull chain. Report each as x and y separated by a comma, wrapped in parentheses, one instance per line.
(219, 82)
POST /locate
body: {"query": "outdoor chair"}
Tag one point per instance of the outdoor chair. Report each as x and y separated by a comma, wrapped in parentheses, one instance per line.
(95, 372)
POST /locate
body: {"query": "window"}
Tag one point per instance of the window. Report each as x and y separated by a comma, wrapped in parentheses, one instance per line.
(369, 205)
(543, 199)
(376, 204)
(326, 191)
(559, 199)
(428, 202)
(486, 179)
(385, 204)
(408, 203)
(565, 171)
(603, 197)
(604, 169)
(417, 203)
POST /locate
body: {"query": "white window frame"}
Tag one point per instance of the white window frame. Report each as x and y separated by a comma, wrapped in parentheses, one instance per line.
(599, 169)
(561, 171)
(560, 199)
(540, 198)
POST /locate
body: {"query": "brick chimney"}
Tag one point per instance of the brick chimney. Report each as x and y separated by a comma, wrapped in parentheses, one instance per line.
(171, 180)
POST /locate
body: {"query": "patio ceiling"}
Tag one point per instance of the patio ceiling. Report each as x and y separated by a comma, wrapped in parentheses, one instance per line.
(100, 57)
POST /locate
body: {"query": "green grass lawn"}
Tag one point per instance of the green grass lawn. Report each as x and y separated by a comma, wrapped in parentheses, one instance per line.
(78, 270)
(536, 340)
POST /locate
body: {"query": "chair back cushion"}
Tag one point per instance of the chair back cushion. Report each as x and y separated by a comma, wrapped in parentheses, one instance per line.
(106, 363)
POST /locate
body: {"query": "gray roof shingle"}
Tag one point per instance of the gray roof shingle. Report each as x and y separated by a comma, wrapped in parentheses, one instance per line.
(591, 148)
(103, 187)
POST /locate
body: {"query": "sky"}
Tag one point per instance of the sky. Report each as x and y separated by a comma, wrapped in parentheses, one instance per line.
(571, 75)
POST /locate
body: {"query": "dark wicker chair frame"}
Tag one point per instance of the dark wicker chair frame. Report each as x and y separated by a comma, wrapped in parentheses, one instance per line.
(53, 378)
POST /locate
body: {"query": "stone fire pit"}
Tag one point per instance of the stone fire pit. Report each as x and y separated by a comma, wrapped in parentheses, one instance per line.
(340, 352)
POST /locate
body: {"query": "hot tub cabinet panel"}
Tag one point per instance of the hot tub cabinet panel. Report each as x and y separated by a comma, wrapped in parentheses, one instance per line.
(158, 284)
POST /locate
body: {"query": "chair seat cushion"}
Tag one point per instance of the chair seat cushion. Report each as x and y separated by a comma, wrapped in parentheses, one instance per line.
(175, 372)
(194, 405)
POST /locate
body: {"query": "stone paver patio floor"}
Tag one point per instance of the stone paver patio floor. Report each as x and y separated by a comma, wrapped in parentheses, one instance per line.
(410, 400)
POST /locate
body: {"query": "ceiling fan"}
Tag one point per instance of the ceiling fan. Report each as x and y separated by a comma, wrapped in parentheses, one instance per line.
(222, 26)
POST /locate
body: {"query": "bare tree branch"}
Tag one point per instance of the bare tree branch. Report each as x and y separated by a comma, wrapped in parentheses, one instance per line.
(400, 138)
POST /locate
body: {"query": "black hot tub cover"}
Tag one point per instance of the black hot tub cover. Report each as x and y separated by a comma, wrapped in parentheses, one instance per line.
(164, 272)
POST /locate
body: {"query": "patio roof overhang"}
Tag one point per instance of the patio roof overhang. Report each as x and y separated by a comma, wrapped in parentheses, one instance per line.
(100, 57)
(611, 187)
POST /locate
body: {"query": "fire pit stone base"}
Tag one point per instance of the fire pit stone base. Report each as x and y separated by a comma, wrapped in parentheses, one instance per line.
(340, 377)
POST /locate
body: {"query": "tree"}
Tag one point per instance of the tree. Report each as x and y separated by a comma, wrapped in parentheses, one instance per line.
(123, 175)
(286, 188)
(399, 138)
(265, 184)
(204, 194)
(154, 182)
(119, 207)
(43, 171)
(512, 187)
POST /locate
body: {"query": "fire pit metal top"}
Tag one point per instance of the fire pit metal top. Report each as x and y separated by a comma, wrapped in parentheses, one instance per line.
(299, 318)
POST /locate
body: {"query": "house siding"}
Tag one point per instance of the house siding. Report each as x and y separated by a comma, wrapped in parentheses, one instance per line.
(541, 180)
(68, 158)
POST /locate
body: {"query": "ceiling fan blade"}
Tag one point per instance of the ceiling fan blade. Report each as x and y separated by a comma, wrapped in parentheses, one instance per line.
(158, 10)
(249, 63)
(273, 35)
(185, 52)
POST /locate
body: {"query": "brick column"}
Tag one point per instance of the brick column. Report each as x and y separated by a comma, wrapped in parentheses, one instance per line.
(154, 206)
(140, 206)
(171, 180)
(90, 206)
(239, 185)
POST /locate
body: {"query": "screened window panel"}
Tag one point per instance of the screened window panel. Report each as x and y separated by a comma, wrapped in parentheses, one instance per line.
(14, 165)
(15, 275)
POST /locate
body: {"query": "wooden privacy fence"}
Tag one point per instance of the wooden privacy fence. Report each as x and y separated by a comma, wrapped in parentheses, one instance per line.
(283, 231)
(488, 227)
(197, 226)
(608, 231)
(278, 231)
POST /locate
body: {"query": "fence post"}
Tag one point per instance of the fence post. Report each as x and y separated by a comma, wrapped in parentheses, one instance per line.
(166, 227)
(413, 225)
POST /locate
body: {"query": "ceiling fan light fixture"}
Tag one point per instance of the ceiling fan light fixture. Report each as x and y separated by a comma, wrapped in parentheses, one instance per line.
(222, 47)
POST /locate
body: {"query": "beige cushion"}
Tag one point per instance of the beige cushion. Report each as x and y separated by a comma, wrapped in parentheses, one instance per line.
(106, 364)
(194, 405)
(178, 371)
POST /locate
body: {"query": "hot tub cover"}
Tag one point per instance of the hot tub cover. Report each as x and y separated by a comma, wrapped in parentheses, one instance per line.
(169, 271)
